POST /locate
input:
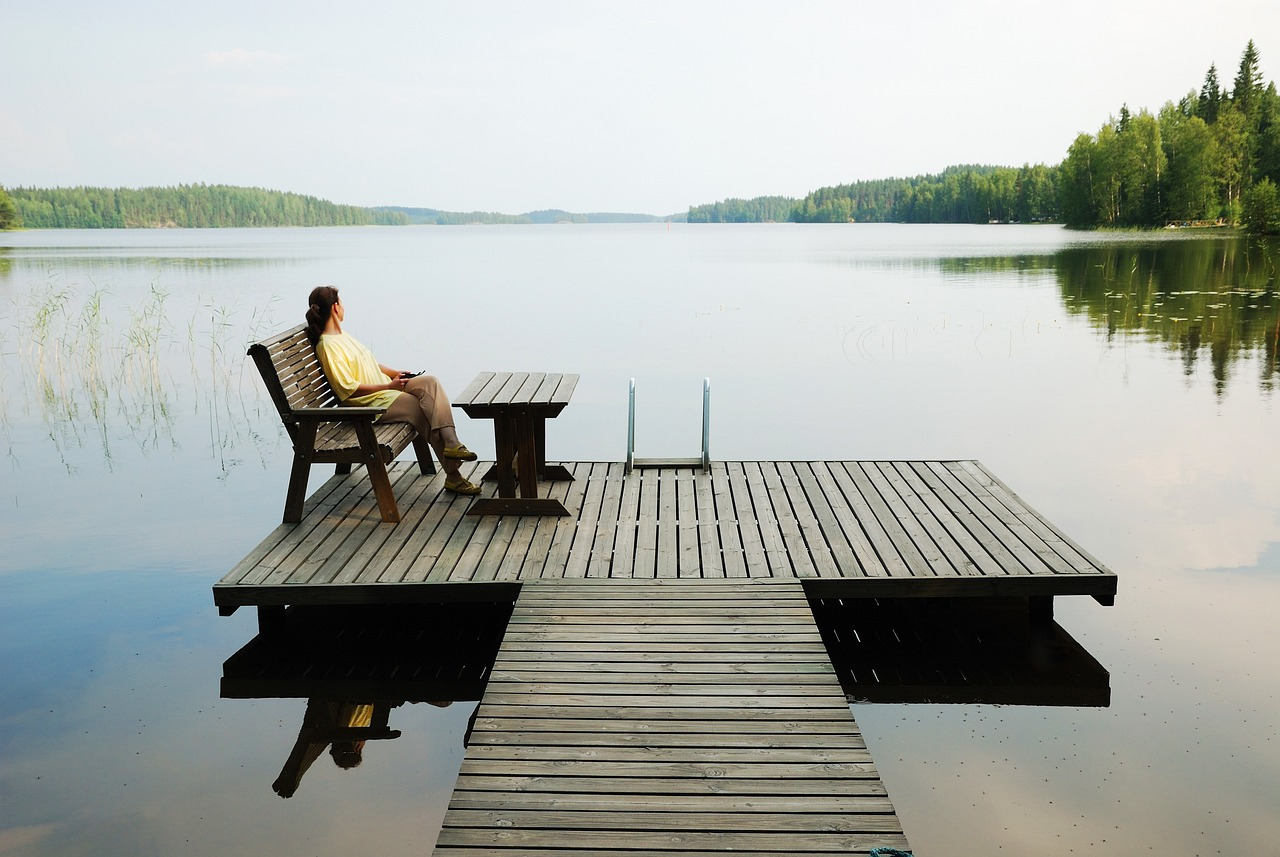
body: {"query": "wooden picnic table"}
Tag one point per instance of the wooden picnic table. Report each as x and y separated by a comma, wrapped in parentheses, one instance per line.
(519, 403)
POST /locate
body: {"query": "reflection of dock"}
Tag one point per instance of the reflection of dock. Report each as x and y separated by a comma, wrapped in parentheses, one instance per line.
(924, 528)
(662, 685)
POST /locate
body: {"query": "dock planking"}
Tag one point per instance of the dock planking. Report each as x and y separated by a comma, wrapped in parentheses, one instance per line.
(667, 715)
(866, 528)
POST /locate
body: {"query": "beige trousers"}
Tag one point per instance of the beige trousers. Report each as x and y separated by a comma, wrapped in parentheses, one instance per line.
(423, 404)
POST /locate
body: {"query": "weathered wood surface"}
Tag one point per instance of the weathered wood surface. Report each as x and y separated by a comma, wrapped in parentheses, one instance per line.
(876, 528)
(665, 716)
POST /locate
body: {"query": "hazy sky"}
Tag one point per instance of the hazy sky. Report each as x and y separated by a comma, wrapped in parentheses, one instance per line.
(587, 106)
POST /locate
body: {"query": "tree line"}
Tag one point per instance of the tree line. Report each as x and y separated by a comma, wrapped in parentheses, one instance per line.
(9, 218)
(1213, 157)
(184, 206)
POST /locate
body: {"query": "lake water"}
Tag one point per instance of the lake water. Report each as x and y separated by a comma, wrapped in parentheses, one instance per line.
(1124, 385)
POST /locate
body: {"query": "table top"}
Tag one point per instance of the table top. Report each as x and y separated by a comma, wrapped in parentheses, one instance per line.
(491, 393)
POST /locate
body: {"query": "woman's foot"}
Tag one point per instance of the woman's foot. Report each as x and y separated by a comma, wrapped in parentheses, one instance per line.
(458, 452)
(461, 485)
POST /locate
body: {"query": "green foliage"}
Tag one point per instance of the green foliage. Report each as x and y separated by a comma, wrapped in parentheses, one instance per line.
(761, 209)
(1198, 162)
(9, 217)
(185, 206)
(960, 194)
(1262, 208)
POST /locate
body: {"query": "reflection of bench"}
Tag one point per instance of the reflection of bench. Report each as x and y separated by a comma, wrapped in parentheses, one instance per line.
(519, 403)
(323, 432)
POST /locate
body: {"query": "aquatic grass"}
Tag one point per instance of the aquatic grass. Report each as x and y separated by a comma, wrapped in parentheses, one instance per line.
(86, 377)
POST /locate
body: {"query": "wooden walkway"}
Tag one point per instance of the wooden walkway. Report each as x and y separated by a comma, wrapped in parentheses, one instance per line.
(673, 717)
(873, 528)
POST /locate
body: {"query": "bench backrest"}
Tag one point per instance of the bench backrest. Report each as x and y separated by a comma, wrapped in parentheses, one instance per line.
(292, 373)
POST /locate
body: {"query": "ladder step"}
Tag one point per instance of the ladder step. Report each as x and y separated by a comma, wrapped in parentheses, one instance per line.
(641, 463)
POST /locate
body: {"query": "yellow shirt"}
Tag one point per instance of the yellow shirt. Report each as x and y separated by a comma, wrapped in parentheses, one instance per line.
(348, 364)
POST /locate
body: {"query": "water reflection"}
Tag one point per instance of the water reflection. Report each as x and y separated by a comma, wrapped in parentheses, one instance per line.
(340, 726)
(993, 651)
(1200, 298)
(353, 665)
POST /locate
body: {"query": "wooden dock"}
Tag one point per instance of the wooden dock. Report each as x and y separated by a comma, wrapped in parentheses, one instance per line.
(844, 528)
(665, 716)
(662, 687)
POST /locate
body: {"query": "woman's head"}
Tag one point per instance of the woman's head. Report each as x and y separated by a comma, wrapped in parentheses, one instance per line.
(320, 308)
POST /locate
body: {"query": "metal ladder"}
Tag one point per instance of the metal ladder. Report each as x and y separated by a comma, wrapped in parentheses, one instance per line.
(704, 461)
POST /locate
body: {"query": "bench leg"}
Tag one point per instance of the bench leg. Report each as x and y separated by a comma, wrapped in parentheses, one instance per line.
(422, 449)
(303, 450)
(377, 473)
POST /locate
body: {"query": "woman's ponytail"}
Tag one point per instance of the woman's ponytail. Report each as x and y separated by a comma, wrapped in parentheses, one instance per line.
(321, 307)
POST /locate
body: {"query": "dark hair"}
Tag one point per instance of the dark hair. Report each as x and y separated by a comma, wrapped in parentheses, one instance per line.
(347, 754)
(321, 307)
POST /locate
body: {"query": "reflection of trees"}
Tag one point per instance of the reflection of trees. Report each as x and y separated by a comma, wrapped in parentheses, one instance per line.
(1210, 297)
(1214, 297)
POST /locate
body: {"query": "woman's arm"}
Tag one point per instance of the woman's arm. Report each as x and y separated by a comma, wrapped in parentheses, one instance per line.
(396, 382)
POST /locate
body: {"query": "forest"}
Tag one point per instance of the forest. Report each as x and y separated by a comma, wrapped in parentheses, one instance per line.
(1211, 158)
(185, 206)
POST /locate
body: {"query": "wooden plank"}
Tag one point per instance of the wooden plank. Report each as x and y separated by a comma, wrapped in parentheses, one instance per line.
(810, 556)
(1076, 557)
(544, 531)
(572, 802)
(975, 520)
(887, 485)
(668, 561)
(646, 561)
(950, 525)
(691, 843)
(584, 535)
(916, 562)
(566, 529)
(825, 788)
(750, 747)
(966, 555)
(890, 562)
(1021, 541)
(710, 558)
(624, 819)
(418, 559)
(606, 529)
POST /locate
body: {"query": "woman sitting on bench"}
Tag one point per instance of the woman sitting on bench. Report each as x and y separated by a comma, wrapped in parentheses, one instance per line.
(359, 379)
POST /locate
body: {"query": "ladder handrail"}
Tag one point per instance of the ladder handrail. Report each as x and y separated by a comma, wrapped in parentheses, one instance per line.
(704, 459)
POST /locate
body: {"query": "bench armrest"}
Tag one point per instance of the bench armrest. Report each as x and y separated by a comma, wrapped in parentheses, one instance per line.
(338, 414)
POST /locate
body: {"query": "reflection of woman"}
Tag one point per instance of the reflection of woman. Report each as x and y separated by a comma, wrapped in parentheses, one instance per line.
(359, 379)
(322, 722)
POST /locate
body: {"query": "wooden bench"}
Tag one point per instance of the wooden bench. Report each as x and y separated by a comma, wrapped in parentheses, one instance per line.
(519, 403)
(325, 432)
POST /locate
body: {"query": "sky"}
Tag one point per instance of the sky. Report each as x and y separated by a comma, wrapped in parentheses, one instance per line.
(620, 106)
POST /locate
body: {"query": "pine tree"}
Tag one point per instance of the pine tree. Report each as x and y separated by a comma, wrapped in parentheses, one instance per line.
(1247, 91)
(1210, 96)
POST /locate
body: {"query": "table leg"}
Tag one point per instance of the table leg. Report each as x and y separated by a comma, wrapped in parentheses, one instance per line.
(527, 450)
(505, 450)
(517, 436)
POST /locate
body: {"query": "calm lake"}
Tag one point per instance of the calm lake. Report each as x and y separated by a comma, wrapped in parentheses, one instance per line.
(1127, 386)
